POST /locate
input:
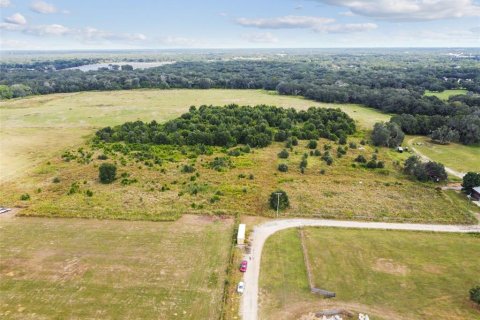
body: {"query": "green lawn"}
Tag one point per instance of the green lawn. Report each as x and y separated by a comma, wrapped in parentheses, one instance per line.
(457, 156)
(444, 95)
(387, 274)
(90, 269)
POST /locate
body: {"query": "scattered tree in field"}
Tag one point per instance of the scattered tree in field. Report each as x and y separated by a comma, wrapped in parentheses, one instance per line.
(470, 181)
(429, 171)
(312, 144)
(282, 167)
(107, 172)
(444, 135)
(283, 154)
(475, 294)
(279, 198)
(387, 134)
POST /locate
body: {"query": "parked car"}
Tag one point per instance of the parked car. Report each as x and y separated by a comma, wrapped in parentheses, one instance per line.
(240, 287)
(243, 266)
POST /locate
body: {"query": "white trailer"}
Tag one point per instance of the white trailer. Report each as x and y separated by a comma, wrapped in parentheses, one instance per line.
(241, 234)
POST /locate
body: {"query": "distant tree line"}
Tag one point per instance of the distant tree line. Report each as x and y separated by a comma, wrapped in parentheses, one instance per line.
(231, 125)
(390, 83)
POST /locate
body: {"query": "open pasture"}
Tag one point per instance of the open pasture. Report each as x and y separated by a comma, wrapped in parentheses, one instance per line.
(90, 269)
(394, 275)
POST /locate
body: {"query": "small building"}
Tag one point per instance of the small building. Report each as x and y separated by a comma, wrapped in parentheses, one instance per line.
(476, 193)
(241, 234)
(400, 149)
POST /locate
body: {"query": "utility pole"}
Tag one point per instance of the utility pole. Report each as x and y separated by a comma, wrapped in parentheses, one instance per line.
(278, 200)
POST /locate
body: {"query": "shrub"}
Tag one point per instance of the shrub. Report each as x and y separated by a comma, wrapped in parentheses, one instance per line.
(279, 199)
(56, 180)
(251, 177)
(352, 145)
(312, 144)
(360, 159)
(342, 140)
(322, 171)
(341, 150)
(303, 164)
(102, 157)
(107, 172)
(25, 197)
(317, 153)
(470, 181)
(220, 163)
(283, 154)
(475, 294)
(282, 167)
(372, 164)
(74, 188)
(294, 141)
(89, 193)
(327, 158)
(186, 168)
(380, 164)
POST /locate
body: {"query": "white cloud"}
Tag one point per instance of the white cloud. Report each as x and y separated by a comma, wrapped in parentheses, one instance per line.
(93, 34)
(260, 37)
(16, 18)
(11, 27)
(347, 28)
(285, 22)
(409, 10)
(48, 30)
(173, 41)
(5, 3)
(40, 6)
(347, 14)
(316, 24)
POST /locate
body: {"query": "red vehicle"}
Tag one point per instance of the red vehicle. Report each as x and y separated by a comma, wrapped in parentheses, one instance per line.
(243, 266)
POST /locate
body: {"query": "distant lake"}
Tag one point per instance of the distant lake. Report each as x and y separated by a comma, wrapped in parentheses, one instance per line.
(135, 65)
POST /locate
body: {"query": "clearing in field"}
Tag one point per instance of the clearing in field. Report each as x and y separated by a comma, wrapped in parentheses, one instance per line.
(457, 156)
(391, 275)
(35, 128)
(444, 95)
(90, 269)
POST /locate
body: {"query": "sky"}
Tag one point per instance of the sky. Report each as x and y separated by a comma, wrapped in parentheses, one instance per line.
(173, 24)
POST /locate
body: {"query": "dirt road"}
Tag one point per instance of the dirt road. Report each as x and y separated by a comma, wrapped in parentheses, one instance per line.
(249, 304)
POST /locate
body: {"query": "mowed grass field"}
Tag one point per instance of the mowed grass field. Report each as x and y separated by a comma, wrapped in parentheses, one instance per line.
(392, 275)
(457, 156)
(444, 95)
(90, 269)
(32, 129)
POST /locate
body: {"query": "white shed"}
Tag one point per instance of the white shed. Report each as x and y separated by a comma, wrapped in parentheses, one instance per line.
(241, 234)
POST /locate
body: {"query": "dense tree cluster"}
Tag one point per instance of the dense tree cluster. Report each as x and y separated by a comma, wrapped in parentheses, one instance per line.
(231, 125)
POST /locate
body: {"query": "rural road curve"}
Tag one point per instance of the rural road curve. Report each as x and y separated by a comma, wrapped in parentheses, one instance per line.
(249, 303)
(426, 159)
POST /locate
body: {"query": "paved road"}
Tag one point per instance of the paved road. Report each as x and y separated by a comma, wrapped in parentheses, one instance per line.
(249, 303)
